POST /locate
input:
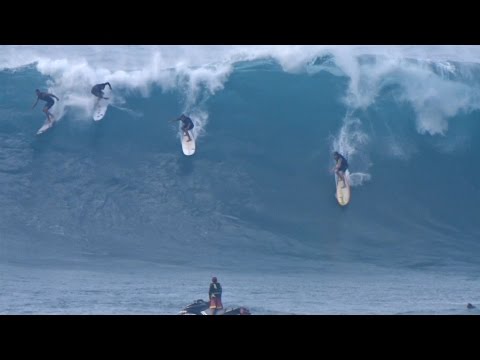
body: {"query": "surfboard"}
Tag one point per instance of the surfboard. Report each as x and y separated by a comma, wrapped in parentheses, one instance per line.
(100, 109)
(46, 125)
(188, 147)
(343, 190)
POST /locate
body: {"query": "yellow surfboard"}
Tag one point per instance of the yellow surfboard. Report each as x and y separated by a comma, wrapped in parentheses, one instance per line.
(343, 189)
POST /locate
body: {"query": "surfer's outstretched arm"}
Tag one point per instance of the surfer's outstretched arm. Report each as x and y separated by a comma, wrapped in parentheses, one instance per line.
(35, 104)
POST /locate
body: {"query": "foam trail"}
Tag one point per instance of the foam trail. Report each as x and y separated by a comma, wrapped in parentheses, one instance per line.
(132, 113)
(358, 178)
(350, 142)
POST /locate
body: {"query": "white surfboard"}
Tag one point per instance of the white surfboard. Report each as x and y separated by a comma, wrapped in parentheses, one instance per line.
(47, 125)
(100, 109)
(343, 189)
(188, 147)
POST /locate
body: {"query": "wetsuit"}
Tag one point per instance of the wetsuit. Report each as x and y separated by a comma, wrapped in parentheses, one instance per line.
(48, 99)
(187, 123)
(344, 163)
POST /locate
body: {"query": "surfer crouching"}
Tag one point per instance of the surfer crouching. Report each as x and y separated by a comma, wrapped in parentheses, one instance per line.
(48, 98)
(97, 90)
(341, 165)
(187, 124)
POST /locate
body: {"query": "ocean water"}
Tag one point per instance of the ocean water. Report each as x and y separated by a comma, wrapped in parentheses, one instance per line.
(110, 217)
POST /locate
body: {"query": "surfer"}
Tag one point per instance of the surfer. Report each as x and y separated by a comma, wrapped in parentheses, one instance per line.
(341, 165)
(97, 90)
(48, 98)
(215, 295)
(187, 125)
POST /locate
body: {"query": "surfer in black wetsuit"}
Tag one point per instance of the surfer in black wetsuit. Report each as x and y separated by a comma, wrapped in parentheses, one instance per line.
(97, 90)
(187, 125)
(341, 165)
(48, 98)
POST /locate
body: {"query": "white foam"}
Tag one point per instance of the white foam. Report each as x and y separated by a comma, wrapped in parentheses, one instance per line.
(351, 137)
(428, 79)
(358, 178)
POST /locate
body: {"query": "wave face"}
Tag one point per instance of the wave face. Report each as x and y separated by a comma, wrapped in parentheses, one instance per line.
(258, 192)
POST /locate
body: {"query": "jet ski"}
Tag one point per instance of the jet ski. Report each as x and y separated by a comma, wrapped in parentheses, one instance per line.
(201, 307)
